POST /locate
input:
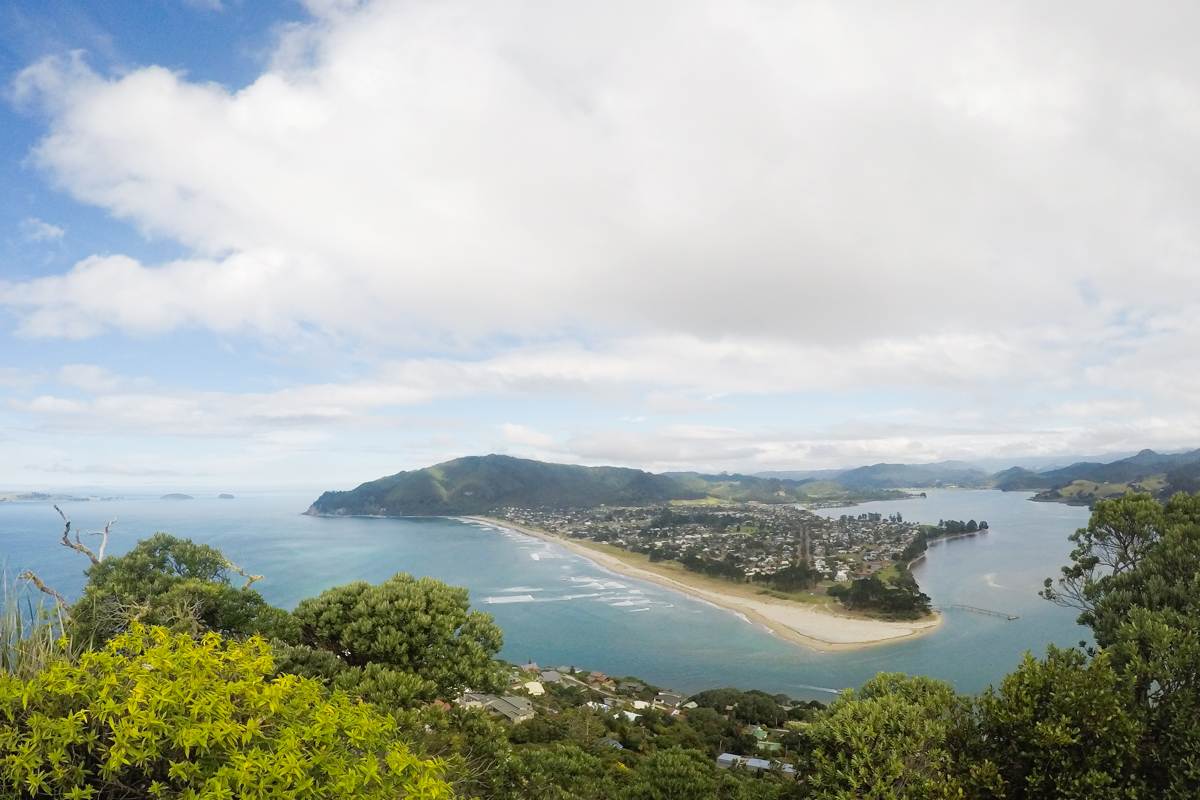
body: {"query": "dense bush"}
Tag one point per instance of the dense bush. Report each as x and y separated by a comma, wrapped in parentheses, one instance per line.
(897, 738)
(1063, 727)
(159, 715)
(900, 597)
(416, 638)
(175, 583)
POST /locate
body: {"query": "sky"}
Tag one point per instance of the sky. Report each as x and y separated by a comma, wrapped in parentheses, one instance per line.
(274, 243)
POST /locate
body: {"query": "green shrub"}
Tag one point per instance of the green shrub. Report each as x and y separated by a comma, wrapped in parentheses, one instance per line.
(410, 638)
(175, 583)
(31, 635)
(156, 714)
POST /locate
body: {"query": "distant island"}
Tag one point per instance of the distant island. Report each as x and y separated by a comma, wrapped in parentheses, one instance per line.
(176, 496)
(225, 496)
(42, 497)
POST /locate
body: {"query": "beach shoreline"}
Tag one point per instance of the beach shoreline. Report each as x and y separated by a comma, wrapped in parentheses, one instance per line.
(812, 627)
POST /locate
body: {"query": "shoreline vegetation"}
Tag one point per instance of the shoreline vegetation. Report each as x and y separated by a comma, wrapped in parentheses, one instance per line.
(813, 625)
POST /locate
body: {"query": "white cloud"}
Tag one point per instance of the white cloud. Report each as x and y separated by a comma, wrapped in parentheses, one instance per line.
(523, 435)
(36, 230)
(17, 378)
(455, 170)
(673, 214)
(89, 377)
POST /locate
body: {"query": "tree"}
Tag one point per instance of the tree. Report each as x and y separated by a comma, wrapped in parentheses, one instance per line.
(897, 738)
(558, 772)
(1148, 619)
(1118, 534)
(901, 597)
(1064, 727)
(1135, 577)
(673, 774)
(173, 582)
(472, 746)
(157, 714)
(418, 626)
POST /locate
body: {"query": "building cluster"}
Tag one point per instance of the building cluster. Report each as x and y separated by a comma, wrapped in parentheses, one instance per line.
(531, 692)
(751, 541)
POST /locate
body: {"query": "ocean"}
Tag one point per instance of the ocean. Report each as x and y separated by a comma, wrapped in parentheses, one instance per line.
(557, 608)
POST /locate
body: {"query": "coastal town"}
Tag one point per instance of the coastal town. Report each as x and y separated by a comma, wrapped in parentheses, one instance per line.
(781, 544)
(778, 558)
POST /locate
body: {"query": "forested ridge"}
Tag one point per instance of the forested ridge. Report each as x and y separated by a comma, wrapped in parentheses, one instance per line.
(171, 677)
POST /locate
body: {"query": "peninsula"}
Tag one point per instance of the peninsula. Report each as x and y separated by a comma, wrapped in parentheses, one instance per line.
(817, 625)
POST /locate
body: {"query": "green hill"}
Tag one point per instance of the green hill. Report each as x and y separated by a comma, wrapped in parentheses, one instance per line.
(1019, 479)
(895, 476)
(743, 488)
(1145, 463)
(1085, 482)
(477, 484)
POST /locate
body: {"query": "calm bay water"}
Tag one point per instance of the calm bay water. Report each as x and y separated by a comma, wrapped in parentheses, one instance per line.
(558, 608)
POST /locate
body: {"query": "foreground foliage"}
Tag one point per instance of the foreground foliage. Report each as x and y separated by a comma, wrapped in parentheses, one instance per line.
(160, 715)
(190, 714)
(403, 640)
(175, 583)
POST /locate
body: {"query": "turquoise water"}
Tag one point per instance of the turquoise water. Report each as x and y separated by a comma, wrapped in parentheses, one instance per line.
(558, 608)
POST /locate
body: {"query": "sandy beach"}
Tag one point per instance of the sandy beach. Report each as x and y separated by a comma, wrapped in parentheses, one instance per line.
(807, 625)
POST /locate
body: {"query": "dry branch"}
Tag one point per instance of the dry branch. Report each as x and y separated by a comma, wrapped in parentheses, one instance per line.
(77, 545)
(250, 579)
(42, 587)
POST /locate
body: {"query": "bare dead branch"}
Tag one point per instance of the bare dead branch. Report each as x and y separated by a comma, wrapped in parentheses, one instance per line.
(250, 579)
(104, 539)
(30, 576)
(76, 545)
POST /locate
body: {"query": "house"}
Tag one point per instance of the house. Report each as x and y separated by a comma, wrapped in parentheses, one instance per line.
(534, 688)
(770, 747)
(550, 676)
(731, 761)
(613, 743)
(668, 700)
(632, 717)
(511, 707)
(475, 700)
(596, 706)
(640, 705)
(757, 731)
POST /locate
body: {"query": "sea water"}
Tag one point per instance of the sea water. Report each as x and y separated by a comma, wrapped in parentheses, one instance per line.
(557, 608)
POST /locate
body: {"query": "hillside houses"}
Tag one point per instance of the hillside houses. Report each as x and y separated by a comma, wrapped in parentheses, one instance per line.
(627, 715)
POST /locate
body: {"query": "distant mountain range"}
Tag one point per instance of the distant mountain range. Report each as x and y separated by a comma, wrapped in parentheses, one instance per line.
(1085, 482)
(897, 476)
(478, 484)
